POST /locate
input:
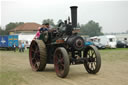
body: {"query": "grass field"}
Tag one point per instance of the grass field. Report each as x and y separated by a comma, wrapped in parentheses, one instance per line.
(15, 70)
(110, 55)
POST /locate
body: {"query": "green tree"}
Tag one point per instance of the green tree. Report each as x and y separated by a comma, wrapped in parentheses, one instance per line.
(91, 28)
(12, 25)
(50, 21)
(2, 32)
(78, 25)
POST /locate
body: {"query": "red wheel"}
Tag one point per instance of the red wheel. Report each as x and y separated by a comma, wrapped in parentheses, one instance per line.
(61, 62)
(37, 55)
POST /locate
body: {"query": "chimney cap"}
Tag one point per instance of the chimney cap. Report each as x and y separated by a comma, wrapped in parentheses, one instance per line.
(73, 6)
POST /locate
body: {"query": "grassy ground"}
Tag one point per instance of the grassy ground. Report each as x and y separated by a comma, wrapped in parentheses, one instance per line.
(9, 67)
(112, 55)
(15, 70)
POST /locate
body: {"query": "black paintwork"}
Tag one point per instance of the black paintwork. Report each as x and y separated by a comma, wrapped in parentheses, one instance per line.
(73, 43)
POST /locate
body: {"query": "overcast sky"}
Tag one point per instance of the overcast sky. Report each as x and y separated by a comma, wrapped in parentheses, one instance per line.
(111, 15)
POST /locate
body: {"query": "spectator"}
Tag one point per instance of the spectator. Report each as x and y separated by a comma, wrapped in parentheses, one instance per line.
(26, 45)
(22, 45)
(14, 47)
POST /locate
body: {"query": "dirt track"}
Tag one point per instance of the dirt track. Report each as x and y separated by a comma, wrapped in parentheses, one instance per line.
(111, 73)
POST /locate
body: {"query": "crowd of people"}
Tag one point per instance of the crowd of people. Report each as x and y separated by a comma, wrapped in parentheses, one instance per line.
(21, 47)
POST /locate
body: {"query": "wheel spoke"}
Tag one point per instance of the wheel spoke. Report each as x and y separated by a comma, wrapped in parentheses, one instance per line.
(38, 58)
(94, 66)
(32, 54)
(60, 56)
(57, 62)
(62, 65)
(93, 53)
(61, 60)
(32, 50)
(91, 65)
(33, 60)
(91, 59)
(95, 59)
(88, 54)
(35, 65)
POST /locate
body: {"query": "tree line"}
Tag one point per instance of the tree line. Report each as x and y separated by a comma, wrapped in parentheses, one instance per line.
(9, 27)
(91, 28)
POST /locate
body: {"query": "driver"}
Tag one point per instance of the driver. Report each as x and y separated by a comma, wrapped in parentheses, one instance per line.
(45, 27)
(41, 29)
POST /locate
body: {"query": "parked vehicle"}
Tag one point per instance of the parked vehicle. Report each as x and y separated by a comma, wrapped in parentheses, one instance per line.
(8, 41)
(126, 43)
(108, 40)
(87, 43)
(121, 44)
(99, 45)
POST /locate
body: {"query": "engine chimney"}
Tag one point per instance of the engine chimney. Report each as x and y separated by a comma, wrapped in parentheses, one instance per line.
(74, 16)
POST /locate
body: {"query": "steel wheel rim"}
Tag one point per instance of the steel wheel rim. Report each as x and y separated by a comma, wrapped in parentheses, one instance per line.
(91, 60)
(59, 63)
(34, 56)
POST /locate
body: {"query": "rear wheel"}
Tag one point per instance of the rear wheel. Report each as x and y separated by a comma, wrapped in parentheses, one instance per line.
(61, 62)
(93, 60)
(37, 55)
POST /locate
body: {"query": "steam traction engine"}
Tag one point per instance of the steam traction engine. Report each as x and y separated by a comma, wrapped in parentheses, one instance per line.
(62, 48)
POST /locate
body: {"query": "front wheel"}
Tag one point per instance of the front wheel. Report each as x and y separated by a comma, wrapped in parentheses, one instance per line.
(61, 62)
(92, 61)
